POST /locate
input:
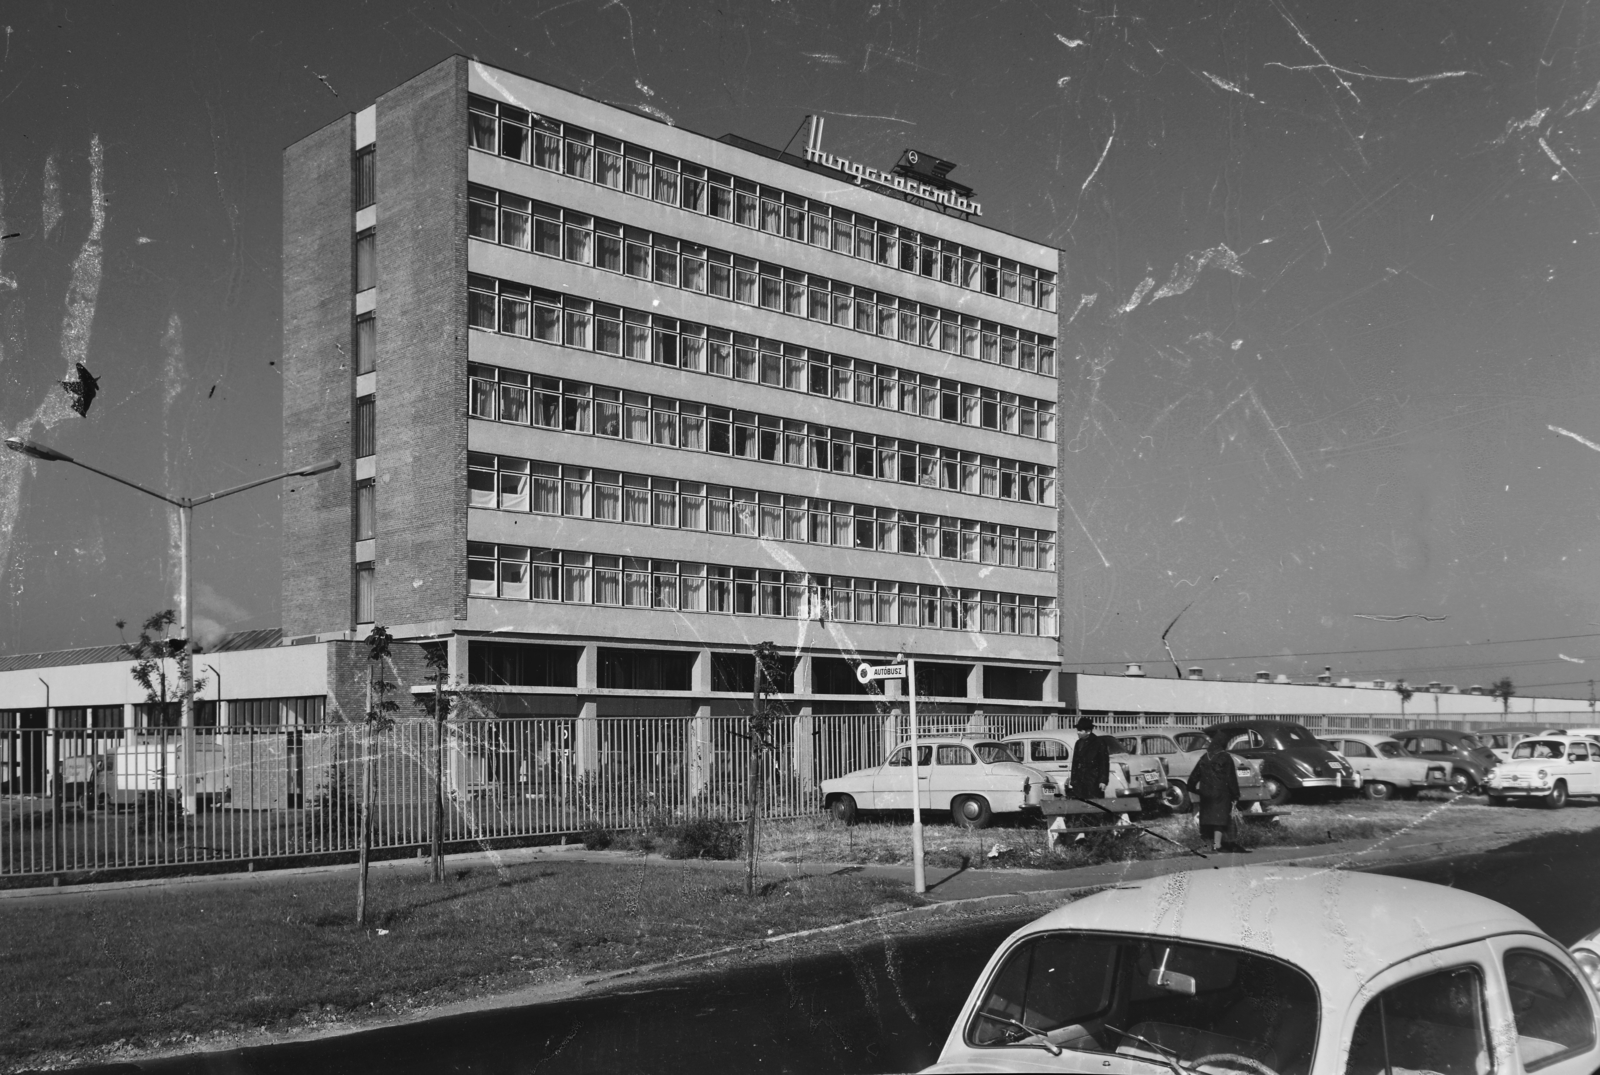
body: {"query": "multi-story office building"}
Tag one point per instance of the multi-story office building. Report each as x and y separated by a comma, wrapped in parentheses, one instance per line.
(619, 400)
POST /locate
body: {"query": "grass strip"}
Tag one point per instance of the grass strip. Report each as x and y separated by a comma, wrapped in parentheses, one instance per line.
(139, 972)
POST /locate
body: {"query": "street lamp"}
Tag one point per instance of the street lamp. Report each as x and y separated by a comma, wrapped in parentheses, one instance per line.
(185, 506)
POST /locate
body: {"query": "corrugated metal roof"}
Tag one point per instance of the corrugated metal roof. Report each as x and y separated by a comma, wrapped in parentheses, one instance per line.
(239, 640)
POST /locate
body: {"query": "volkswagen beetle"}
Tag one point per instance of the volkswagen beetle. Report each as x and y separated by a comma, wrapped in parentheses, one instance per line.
(1279, 971)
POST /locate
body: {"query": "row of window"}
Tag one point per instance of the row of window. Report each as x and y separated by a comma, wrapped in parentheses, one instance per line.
(594, 158)
(568, 321)
(514, 221)
(594, 410)
(520, 573)
(509, 483)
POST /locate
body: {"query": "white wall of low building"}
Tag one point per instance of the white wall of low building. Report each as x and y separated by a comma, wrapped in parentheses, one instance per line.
(274, 672)
(1133, 694)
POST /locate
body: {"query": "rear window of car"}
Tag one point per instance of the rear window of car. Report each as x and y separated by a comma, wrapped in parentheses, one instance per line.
(1127, 744)
(1289, 735)
(1538, 748)
(993, 752)
(1191, 740)
(1158, 744)
(1391, 750)
(1471, 742)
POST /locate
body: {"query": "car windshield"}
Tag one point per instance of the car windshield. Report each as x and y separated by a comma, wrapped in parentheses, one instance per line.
(993, 752)
(1537, 748)
(1144, 997)
(1391, 750)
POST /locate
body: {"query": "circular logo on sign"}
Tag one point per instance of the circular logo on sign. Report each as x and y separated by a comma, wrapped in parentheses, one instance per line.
(864, 672)
(912, 156)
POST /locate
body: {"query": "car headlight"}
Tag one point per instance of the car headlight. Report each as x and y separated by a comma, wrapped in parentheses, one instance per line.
(1543, 775)
(1589, 963)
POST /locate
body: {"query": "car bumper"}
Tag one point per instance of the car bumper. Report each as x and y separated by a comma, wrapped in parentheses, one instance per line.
(1520, 792)
(1329, 782)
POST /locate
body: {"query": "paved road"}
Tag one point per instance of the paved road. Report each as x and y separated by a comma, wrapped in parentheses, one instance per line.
(886, 1007)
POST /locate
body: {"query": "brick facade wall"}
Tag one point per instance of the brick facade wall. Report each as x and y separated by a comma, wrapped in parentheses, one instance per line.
(348, 664)
(422, 348)
(318, 377)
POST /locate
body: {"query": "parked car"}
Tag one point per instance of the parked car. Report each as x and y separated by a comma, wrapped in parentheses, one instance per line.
(1291, 758)
(1278, 971)
(1131, 776)
(1547, 768)
(972, 780)
(1470, 761)
(1178, 754)
(1385, 768)
(1589, 733)
(1501, 740)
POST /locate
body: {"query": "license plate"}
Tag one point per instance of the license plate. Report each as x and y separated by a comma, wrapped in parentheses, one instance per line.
(1149, 778)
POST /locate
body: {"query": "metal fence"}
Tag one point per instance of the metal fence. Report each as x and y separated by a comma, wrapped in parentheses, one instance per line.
(99, 801)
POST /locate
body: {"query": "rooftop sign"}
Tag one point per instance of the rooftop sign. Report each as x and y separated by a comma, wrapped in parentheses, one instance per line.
(908, 184)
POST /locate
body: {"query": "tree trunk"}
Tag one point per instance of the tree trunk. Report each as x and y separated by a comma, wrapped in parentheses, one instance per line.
(438, 778)
(752, 781)
(366, 809)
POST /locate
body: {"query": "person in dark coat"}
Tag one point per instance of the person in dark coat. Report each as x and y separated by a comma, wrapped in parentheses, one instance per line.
(1216, 785)
(1091, 762)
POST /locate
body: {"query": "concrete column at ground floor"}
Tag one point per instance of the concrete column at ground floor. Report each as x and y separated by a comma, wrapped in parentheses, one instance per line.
(1052, 687)
(805, 751)
(975, 681)
(130, 716)
(891, 729)
(586, 737)
(977, 723)
(459, 659)
(1052, 722)
(700, 677)
(589, 668)
(698, 748)
(802, 674)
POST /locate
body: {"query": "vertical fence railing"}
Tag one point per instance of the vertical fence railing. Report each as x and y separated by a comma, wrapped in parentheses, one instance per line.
(97, 800)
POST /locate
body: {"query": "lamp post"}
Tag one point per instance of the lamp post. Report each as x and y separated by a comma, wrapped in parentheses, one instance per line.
(185, 506)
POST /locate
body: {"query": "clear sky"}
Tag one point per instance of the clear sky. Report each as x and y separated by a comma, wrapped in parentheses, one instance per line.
(1334, 268)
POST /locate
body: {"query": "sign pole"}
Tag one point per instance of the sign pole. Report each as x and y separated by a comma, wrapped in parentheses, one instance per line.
(919, 880)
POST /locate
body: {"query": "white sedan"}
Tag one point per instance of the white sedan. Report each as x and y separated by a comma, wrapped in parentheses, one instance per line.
(1384, 766)
(972, 779)
(1548, 768)
(1279, 971)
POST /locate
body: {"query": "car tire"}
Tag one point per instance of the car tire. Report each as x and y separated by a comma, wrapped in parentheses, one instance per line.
(1176, 798)
(1461, 782)
(843, 808)
(1277, 791)
(1499, 800)
(971, 811)
(1557, 797)
(1378, 790)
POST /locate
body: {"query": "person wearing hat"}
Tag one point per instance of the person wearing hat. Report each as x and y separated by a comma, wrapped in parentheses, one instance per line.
(1217, 787)
(1091, 762)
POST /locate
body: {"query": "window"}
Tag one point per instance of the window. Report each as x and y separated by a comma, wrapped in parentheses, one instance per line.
(366, 343)
(1550, 1007)
(365, 603)
(955, 755)
(365, 177)
(366, 426)
(366, 257)
(366, 509)
(1436, 1023)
